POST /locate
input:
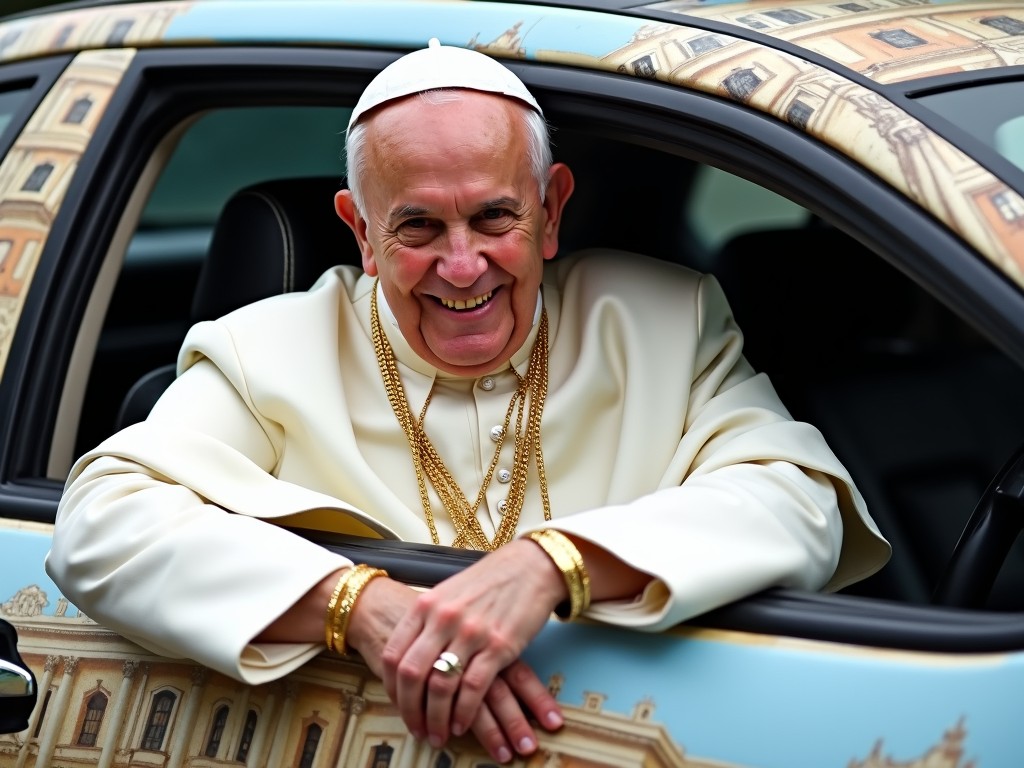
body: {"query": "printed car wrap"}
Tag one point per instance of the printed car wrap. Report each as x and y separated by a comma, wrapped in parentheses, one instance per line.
(887, 41)
(687, 698)
(107, 702)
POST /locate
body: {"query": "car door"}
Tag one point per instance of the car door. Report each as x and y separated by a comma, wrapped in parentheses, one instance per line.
(783, 679)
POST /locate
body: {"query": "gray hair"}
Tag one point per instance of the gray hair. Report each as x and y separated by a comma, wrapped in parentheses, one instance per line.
(538, 146)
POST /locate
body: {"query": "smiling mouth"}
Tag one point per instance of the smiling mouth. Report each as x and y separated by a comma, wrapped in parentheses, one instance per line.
(460, 305)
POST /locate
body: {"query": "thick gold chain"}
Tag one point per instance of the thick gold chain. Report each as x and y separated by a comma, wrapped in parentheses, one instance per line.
(429, 465)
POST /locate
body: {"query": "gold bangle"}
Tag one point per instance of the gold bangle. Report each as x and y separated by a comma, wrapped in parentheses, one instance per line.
(569, 561)
(332, 607)
(352, 584)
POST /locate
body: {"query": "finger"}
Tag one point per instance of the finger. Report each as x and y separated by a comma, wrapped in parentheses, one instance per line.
(491, 736)
(533, 695)
(410, 694)
(444, 682)
(396, 649)
(407, 659)
(503, 705)
(476, 681)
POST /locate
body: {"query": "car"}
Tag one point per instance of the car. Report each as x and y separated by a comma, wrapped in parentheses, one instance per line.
(852, 171)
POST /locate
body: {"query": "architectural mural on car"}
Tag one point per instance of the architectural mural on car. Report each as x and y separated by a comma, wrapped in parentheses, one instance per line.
(107, 702)
(35, 174)
(104, 701)
(850, 117)
(889, 41)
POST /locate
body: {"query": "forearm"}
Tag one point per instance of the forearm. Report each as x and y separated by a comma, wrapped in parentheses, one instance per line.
(610, 577)
(157, 564)
(718, 538)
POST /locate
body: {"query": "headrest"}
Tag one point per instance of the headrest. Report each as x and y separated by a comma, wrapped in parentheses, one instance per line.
(272, 237)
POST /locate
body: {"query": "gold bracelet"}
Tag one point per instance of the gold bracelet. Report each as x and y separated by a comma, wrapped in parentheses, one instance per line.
(569, 561)
(332, 608)
(351, 585)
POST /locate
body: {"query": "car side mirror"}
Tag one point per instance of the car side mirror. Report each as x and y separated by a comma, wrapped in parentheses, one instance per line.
(17, 683)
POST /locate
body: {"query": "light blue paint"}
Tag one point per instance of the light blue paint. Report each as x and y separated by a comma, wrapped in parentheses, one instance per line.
(772, 707)
(754, 705)
(374, 24)
(23, 555)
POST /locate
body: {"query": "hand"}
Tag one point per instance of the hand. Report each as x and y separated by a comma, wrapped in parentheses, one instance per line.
(486, 615)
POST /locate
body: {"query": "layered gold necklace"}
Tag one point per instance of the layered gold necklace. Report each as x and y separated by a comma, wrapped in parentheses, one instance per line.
(428, 463)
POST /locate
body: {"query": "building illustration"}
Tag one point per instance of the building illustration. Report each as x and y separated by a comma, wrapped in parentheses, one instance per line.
(106, 702)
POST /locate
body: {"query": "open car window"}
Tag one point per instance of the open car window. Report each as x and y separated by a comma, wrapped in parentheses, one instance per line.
(852, 344)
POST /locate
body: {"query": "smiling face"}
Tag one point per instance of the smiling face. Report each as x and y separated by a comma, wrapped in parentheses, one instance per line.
(454, 225)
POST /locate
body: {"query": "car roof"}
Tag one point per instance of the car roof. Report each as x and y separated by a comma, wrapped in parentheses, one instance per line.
(866, 60)
(851, 36)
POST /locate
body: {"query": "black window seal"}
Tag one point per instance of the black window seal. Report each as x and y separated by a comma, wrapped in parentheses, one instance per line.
(154, 80)
(771, 153)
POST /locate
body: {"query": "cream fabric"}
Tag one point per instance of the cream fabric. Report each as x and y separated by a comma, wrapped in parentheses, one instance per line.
(660, 444)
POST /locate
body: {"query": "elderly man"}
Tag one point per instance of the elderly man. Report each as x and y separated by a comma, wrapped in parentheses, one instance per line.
(465, 388)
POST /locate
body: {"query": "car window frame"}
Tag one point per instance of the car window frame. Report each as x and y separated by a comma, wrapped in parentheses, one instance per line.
(162, 87)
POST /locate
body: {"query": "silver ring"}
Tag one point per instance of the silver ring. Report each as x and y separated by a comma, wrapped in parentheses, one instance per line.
(448, 663)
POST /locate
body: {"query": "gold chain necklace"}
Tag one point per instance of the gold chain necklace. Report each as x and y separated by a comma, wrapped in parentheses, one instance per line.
(429, 465)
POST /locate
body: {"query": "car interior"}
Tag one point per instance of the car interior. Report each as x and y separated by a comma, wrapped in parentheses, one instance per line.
(921, 409)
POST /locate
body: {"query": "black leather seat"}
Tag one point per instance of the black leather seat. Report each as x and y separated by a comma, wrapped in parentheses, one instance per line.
(273, 237)
(921, 411)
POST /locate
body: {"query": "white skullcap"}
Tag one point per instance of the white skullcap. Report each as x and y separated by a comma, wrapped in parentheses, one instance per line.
(440, 66)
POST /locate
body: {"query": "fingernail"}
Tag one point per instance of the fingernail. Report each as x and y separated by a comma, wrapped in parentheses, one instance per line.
(553, 720)
(458, 729)
(504, 755)
(436, 742)
(526, 745)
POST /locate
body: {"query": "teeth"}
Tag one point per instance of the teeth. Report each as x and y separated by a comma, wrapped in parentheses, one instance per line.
(476, 301)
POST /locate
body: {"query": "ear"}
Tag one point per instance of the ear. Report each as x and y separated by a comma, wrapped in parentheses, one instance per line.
(560, 186)
(347, 211)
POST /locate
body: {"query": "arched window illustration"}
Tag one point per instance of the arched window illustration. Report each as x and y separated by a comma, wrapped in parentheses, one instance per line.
(1006, 24)
(159, 718)
(444, 760)
(95, 706)
(644, 67)
(705, 44)
(742, 83)
(63, 36)
(78, 111)
(38, 177)
(787, 16)
(119, 32)
(1009, 206)
(220, 719)
(309, 745)
(899, 38)
(247, 733)
(382, 754)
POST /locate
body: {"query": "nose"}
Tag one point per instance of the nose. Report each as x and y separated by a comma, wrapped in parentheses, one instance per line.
(461, 262)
